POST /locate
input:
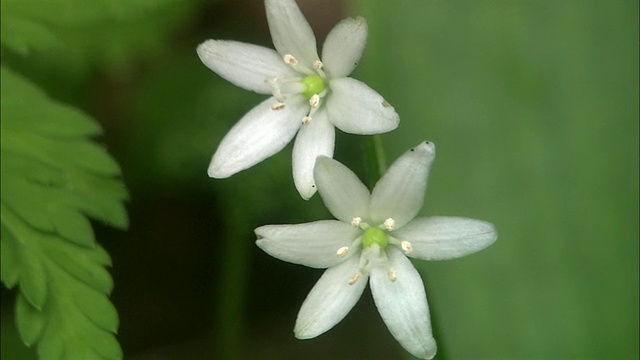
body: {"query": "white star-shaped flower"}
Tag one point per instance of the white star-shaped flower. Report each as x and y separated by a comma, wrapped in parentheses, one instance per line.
(310, 96)
(371, 239)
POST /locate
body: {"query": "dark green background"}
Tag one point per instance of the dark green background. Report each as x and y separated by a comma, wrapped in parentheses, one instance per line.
(533, 106)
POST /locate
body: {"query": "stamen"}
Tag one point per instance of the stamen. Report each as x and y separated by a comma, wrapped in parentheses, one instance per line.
(314, 101)
(356, 221)
(389, 224)
(289, 59)
(406, 247)
(342, 251)
(318, 65)
(392, 274)
(277, 106)
(354, 278)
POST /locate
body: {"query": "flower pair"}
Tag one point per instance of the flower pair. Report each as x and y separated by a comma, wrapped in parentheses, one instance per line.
(375, 232)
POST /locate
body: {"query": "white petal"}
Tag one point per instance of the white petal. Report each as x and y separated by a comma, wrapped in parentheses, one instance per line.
(442, 238)
(261, 133)
(313, 244)
(290, 31)
(399, 194)
(244, 65)
(343, 193)
(314, 139)
(403, 305)
(344, 46)
(330, 300)
(355, 108)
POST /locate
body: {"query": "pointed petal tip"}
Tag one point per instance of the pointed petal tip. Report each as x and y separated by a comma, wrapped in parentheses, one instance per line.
(426, 147)
(216, 172)
(202, 48)
(207, 50)
(307, 192)
(430, 349)
(302, 334)
(357, 23)
(361, 20)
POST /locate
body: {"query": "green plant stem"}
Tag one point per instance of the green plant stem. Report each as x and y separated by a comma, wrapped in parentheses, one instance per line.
(375, 159)
(233, 285)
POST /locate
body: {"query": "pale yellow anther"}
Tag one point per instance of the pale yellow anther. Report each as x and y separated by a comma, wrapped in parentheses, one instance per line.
(289, 59)
(306, 120)
(406, 247)
(354, 278)
(277, 106)
(389, 224)
(342, 251)
(318, 65)
(392, 274)
(314, 101)
(356, 221)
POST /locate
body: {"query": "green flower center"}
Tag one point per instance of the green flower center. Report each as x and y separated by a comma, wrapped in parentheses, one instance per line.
(373, 235)
(314, 85)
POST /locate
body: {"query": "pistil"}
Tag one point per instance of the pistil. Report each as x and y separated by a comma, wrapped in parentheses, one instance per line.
(314, 85)
(374, 236)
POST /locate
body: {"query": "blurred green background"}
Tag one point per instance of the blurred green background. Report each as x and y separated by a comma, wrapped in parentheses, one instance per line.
(533, 107)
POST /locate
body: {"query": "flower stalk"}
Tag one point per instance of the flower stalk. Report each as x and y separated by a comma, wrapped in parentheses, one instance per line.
(375, 159)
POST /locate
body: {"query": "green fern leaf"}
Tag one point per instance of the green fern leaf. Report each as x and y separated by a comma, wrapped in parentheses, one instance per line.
(36, 24)
(53, 179)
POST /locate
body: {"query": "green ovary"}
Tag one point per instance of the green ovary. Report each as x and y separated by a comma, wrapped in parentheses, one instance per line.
(314, 85)
(374, 235)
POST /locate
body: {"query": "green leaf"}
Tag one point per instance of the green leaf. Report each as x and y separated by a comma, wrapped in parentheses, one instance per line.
(33, 278)
(53, 179)
(80, 320)
(37, 24)
(22, 34)
(82, 264)
(8, 259)
(29, 321)
(66, 175)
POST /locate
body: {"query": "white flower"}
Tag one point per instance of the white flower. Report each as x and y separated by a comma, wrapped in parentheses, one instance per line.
(374, 234)
(310, 96)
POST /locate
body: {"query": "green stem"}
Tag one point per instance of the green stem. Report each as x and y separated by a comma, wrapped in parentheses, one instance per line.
(233, 284)
(375, 159)
(382, 159)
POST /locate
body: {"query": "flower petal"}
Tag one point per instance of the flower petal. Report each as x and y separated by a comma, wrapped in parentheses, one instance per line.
(343, 193)
(442, 238)
(312, 244)
(344, 46)
(244, 65)
(330, 300)
(357, 109)
(399, 194)
(314, 139)
(402, 303)
(290, 31)
(261, 133)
